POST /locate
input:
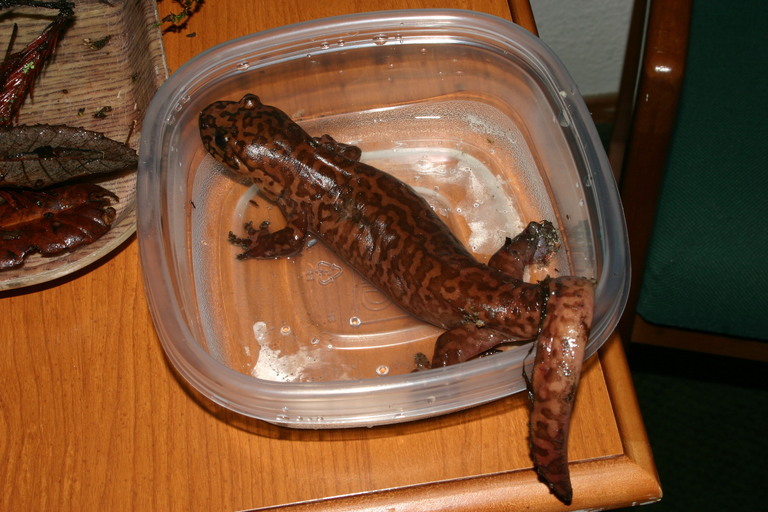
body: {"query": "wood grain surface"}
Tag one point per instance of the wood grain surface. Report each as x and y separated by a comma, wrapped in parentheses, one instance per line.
(92, 416)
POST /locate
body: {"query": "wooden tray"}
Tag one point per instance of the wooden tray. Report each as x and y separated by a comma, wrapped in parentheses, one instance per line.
(76, 84)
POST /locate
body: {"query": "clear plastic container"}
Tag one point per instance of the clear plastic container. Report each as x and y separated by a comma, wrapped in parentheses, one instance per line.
(473, 111)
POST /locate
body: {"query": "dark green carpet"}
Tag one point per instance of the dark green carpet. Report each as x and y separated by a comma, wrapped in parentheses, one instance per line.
(706, 421)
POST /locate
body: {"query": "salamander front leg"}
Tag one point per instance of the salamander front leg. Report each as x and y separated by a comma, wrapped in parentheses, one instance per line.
(332, 145)
(261, 243)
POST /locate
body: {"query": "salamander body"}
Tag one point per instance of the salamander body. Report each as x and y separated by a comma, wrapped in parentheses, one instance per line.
(389, 234)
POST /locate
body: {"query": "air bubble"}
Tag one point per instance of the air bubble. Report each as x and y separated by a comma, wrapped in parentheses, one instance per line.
(355, 321)
(382, 370)
(325, 46)
(285, 330)
(243, 66)
(314, 341)
(380, 39)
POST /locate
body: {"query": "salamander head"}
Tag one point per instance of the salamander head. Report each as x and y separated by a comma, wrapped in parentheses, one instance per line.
(240, 134)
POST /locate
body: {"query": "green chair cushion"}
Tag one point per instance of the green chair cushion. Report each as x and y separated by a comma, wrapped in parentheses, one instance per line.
(707, 268)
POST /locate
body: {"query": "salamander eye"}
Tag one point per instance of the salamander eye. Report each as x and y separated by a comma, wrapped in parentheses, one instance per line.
(250, 101)
(221, 139)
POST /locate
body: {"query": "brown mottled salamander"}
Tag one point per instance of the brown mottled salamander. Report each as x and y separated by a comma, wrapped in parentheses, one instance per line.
(389, 234)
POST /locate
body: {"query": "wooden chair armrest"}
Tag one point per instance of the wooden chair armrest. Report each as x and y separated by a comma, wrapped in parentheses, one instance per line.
(653, 122)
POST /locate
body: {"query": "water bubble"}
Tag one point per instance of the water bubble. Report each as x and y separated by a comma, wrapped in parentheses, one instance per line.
(285, 330)
(380, 39)
(243, 66)
(423, 51)
(424, 164)
(314, 341)
(355, 321)
(563, 119)
(342, 42)
(382, 369)
(325, 46)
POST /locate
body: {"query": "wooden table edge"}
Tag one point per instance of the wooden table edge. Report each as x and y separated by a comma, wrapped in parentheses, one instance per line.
(633, 474)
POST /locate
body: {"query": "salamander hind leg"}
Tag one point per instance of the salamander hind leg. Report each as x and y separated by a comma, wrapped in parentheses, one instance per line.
(535, 244)
(463, 343)
(261, 243)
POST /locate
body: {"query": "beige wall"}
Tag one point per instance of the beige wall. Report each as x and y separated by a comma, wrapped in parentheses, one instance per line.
(589, 36)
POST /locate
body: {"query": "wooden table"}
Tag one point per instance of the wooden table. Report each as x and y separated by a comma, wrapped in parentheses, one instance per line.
(92, 417)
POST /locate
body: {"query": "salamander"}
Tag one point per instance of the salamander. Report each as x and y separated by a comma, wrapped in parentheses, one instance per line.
(387, 232)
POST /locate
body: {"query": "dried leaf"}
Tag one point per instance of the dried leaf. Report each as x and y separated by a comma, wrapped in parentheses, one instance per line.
(42, 155)
(51, 221)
